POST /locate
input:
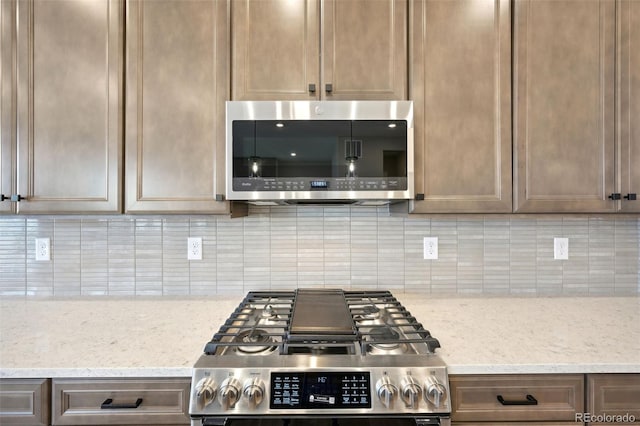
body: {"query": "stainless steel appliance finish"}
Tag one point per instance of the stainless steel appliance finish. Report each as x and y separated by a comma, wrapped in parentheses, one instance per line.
(379, 363)
(297, 152)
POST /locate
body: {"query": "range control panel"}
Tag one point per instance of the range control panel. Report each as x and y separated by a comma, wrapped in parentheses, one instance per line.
(294, 390)
(322, 390)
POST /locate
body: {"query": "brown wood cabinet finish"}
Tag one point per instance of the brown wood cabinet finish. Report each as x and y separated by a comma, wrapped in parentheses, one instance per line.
(461, 88)
(475, 397)
(69, 105)
(364, 49)
(278, 54)
(25, 402)
(628, 103)
(78, 401)
(177, 84)
(614, 394)
(275, 49)
(7, 128)
(564, 60)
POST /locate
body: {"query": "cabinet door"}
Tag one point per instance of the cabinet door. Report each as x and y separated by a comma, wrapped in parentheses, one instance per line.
(142, 401)
(461, 87)
(503, 398)
(176, 88)
(25, 402)
(275, 49)
(69, 112)
(364, 49)
(7, 127)
(629, 102)
(613, 398)
(564, 105)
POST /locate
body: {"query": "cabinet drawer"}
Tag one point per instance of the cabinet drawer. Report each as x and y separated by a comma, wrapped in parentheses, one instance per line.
(614, 395)
(25, 401)
(86, 401)
(552, 397)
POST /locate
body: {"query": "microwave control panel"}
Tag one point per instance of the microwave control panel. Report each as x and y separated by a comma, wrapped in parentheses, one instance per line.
(319, 184)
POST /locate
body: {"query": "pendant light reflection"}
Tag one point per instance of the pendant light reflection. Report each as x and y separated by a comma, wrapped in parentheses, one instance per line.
(254, 167)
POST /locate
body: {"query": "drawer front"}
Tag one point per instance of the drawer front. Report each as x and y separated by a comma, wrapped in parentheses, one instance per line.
(556, 397)
(120, 401)
(614, 395)
(25, 401)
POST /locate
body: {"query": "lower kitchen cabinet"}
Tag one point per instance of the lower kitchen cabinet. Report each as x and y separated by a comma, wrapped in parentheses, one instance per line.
(25, 402)
(534, 399)
(120, 401)
(613, 395)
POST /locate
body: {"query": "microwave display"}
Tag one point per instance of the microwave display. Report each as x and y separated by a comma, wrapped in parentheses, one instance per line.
(319, 155)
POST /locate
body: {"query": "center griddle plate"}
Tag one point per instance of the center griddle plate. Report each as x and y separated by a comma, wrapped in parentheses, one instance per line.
(321, 313)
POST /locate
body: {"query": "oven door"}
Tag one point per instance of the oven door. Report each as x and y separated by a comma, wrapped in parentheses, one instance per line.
(336, 421)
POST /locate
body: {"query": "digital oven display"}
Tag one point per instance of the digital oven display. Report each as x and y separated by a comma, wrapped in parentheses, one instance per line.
(320, 390)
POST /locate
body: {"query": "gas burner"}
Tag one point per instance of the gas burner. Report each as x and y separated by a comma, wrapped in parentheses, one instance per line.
(269, 314)
(260, 342)
(386, 340)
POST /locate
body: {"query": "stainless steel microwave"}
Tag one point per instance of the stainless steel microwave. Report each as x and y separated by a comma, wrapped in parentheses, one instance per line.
(319, 151)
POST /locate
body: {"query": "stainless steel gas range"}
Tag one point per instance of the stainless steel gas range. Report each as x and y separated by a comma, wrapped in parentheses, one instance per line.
(317, 357)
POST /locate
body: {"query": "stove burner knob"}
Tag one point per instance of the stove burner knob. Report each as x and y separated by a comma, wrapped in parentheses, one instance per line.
(229, 393)
(434, 391)
(387, 392)
(206, 392)
(254, 391)
(411, 392)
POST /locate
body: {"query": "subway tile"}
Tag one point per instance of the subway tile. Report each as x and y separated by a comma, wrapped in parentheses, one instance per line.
(285, 247)
(13, 240)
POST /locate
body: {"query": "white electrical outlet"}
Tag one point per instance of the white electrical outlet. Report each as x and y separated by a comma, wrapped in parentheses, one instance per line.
(561, 248)
(43, 252)
(431, 248)
(194, 248)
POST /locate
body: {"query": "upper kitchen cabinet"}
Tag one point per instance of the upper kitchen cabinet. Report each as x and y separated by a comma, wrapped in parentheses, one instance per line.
(68, 105)
(177, 84)
(7, 128)
(564, 128)
(461, 88)
(319, 49)
(629, 103)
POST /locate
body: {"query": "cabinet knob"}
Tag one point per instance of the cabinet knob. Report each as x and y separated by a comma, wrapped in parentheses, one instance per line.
(630, 197)
(615, 196)
(312, 88)
(328, 87)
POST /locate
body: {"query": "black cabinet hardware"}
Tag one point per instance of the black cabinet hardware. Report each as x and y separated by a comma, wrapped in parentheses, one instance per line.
(109, 405)
(530, 400)
(2, 197)
(328, 87)
(630, 197)
(419, 197)
(312, 88)
(219, 197)
(615, 196)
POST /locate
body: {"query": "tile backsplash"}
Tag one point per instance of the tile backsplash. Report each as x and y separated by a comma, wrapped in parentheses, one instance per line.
(347, 247)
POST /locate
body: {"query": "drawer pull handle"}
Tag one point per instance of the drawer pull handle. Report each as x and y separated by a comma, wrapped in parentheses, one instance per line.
(109, 405)
(529, 401)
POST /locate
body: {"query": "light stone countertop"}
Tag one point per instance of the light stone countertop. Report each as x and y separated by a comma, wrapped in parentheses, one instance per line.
(163, 337)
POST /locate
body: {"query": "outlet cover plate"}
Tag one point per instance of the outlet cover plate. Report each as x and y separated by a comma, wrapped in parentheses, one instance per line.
(43, 249)
(561, 248)
(194, 248)
(431, 248)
